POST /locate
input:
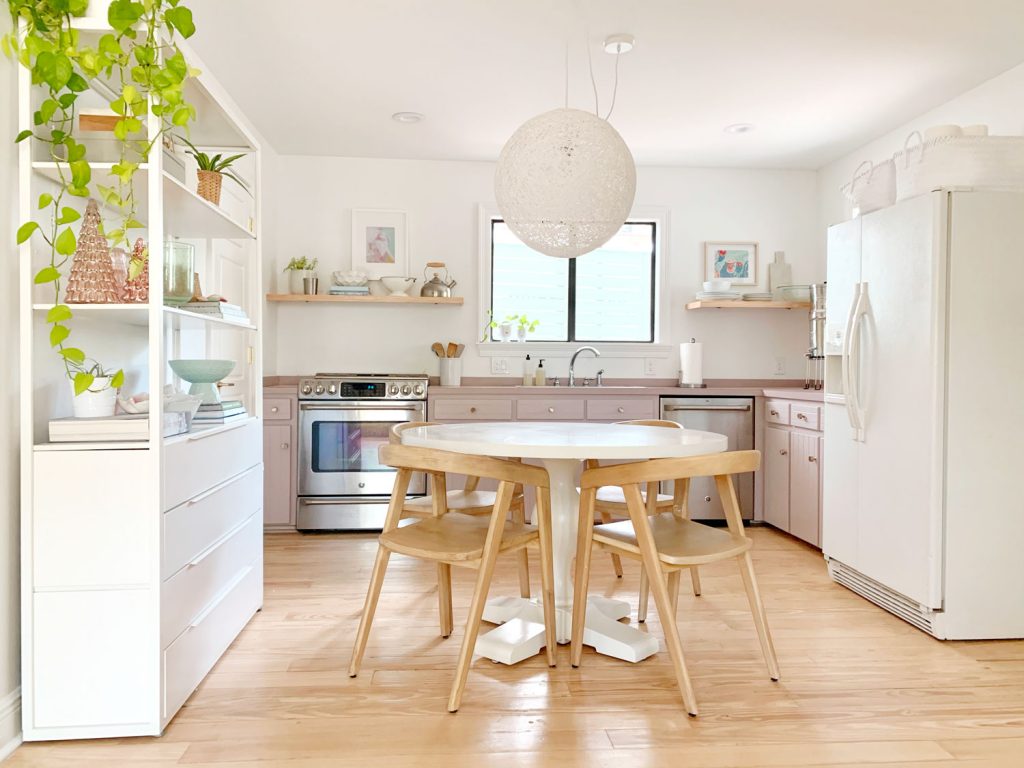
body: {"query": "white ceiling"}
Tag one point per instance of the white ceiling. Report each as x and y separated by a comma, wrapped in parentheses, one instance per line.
(818, 78)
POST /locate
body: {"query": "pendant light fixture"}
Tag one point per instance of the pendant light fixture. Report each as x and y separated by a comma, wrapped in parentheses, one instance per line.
(566, 180)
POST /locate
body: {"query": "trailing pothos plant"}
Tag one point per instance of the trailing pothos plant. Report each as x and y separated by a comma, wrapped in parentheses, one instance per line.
(140, 63)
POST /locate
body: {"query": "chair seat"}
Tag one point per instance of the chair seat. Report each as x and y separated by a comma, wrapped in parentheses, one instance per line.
(612, 494)
(467, 502)
(679, 542)
(453, 537)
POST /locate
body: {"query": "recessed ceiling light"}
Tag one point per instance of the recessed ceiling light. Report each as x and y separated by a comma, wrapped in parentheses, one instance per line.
(407, 117)
(739, 128)
(620, 43)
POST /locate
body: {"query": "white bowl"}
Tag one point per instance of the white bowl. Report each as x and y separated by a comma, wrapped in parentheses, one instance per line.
(376, 288)
(716, 286)
(398, 286)
(352, 277)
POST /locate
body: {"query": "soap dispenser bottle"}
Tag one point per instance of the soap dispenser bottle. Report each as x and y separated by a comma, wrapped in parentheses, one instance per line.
(527, 372)
(540, 377)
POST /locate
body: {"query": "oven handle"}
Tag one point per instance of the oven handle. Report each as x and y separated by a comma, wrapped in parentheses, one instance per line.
(360, 407)
(347, 500)
(707, 408)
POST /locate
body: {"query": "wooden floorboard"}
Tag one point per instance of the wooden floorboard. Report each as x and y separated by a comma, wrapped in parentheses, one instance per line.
(859, 687)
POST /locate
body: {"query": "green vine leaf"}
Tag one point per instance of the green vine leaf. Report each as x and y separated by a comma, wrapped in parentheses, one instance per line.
(73, 355)
(54, 69)
(25, 230)
(22, 136)
(123, 14)
(83, 381)
(58, 313)
(66, 242)
(44, 200)
(118, 381)
(47, 275)
(81, 173)
(67, 215)
(181, 19)
(57, 335)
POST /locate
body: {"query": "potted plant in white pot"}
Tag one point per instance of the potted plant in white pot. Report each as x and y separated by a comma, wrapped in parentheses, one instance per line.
(95, 394)
(298, 269)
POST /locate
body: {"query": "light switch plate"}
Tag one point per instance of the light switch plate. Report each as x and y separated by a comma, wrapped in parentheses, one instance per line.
(780, 366)
(650, 366)
(499, 366)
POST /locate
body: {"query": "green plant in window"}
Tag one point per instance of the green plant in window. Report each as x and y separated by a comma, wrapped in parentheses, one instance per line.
(524, 323)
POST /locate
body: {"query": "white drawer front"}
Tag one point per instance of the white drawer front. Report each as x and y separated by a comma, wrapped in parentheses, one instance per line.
(451, 409)
(561, 408)
(187, 660)
(187, 593)
(193, 527)
(199, 461)
(805, 416)
(776, 412)
(626, 409)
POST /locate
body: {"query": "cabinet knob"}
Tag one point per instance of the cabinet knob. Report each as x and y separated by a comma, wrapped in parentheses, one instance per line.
(707, 499)
(274, 409)
(774, 413)
(812, 458)
(472, 409)
(284, 446)
(802, 416)
(551, 409)
(621, 409)
(783, 451)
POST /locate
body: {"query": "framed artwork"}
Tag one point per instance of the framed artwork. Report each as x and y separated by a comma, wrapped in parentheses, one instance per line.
(379, 243)
(735, 262)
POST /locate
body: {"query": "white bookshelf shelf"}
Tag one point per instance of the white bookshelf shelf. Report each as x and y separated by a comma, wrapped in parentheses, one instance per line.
(181, 319)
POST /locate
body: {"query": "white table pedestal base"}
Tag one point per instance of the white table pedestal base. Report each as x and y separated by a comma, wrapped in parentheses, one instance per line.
(521, 634)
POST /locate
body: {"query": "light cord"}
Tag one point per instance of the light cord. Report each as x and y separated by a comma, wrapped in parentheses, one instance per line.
(615, 90)
(590, 63)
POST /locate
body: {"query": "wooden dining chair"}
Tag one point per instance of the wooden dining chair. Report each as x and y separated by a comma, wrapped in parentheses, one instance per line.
(611, 505)
(456, 539)
(469, 501)
(667, 543)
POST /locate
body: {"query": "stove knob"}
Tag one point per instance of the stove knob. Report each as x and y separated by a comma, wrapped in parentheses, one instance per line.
(332, 389)
(393, 389)
(319, 389)
(406, 389)
(307, 389)
(418, 389)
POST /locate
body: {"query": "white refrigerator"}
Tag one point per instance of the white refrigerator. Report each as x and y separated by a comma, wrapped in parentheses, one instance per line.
(923, 498)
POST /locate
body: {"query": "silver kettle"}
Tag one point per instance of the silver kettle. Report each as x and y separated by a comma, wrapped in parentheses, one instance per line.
(435, 287)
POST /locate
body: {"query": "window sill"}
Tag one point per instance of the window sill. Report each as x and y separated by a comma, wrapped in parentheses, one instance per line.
(553, 349)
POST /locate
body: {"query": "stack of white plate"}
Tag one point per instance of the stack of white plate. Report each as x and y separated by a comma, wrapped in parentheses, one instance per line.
(711, 295)
(758, 296)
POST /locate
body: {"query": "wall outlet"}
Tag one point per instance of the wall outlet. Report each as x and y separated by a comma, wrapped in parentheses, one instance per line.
(650, 366)
(499, 366)
(780, 366)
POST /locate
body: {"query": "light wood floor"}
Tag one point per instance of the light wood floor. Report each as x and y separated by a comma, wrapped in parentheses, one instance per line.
(859, 687)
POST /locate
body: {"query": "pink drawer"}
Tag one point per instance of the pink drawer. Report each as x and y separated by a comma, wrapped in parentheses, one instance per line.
(805, 416)
(621, 409)
(559, 409)
(277, 408)
(451, 409)
(776, 412)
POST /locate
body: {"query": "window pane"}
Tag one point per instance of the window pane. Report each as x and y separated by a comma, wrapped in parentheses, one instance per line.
(613, 288)
(528, 283)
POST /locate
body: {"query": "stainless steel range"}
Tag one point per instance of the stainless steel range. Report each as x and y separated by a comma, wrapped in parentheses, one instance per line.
(343, 419)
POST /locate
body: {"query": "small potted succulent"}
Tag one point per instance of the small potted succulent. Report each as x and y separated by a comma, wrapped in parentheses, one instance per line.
(211, 172)
(298, 269)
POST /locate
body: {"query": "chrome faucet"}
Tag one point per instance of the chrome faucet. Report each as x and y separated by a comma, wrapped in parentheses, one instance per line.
(572, 362)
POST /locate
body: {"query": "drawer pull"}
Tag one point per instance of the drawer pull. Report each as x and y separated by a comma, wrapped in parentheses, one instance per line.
(812, 458)
(216, 545)
(215, 431)
(802, 416)
(284, 446)
(707, 499)
(783, 452)
(551, 409)
(218, 487)
(472, 409)
(774, 412)
(275, 409)
(217, 600)
(621, 409)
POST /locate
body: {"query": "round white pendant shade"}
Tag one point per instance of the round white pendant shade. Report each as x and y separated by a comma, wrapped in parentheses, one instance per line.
(565, 182)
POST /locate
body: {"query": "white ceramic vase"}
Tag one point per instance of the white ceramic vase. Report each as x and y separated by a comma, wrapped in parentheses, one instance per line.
(96, 402)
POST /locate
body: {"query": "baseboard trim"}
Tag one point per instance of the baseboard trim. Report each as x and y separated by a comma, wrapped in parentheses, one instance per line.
(10, 723)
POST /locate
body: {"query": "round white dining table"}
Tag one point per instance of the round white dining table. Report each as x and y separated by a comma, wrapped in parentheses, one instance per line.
(560, 447)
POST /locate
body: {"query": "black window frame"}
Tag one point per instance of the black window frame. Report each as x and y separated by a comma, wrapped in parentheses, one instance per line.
(571, 326)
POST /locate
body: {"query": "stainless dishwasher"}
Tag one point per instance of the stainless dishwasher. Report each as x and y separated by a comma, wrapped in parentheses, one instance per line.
(729, 416)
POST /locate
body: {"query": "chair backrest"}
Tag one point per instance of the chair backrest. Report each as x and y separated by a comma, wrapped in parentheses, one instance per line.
(436, 461)
(653, 423)
(395, 433)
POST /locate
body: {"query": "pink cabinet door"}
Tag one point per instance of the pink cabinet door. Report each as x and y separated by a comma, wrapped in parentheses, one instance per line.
(278, 474)
(804, 487)
(776, 477)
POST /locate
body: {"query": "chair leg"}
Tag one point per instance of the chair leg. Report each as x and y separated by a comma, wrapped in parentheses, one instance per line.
(444, 598)
(616, 560)
(523, 557)
(547, 573)
(483, 582)
(584, 551)
(645, 593)
(695, 579)
(673, 591)
(380, 566)
(760, 616)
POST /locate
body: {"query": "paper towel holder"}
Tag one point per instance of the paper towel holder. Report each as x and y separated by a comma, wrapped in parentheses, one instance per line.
(684, 385)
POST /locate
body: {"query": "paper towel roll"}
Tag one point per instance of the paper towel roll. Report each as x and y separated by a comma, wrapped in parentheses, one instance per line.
(691, 362)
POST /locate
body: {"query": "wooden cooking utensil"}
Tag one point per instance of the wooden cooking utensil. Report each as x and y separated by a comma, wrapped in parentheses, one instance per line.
(452, 348)
(458, 350)
(438, 349)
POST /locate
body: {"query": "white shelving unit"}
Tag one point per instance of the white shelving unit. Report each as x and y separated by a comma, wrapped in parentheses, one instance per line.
(141, 561)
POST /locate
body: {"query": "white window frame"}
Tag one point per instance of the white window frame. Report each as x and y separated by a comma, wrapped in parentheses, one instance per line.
(487, 213)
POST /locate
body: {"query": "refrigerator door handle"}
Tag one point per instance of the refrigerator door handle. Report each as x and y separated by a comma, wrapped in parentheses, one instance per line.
(851, 413)
(856, 359)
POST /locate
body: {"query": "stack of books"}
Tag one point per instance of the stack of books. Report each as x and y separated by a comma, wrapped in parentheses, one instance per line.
(219, 309)
(219, 413)
(350, 290)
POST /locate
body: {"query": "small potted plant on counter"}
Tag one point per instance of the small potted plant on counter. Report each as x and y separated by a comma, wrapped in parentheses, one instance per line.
(298, 269)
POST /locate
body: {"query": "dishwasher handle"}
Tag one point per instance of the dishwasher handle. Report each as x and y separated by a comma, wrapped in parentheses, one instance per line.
(671, 408)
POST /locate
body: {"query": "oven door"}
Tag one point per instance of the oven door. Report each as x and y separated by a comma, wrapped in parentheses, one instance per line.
(338, 445)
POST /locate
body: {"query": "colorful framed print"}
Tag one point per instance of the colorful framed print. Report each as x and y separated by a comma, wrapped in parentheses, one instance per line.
(379, 243)
(732, 261)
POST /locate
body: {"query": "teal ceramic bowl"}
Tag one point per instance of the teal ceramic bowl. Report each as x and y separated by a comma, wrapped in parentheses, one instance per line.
(202, 375)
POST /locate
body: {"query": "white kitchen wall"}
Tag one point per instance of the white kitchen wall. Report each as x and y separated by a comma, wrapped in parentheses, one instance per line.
(311, 214)
(10, 705)
(998, 103)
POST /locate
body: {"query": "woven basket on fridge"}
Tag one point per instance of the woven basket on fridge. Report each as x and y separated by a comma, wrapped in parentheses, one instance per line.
(992, 162)
(873, 188)
(209, 186)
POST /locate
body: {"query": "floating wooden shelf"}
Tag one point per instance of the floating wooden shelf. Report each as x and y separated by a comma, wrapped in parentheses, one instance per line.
(740, 304)
(326, 298)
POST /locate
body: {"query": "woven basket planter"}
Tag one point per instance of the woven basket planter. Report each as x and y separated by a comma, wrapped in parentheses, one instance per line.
(209, 186)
